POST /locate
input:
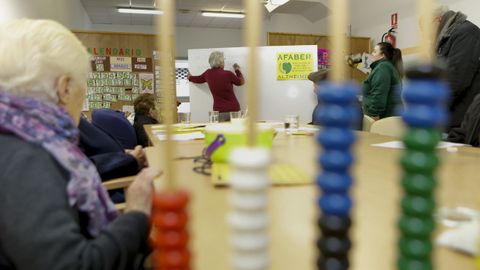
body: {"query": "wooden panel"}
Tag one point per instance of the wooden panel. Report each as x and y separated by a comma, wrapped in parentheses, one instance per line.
(357, 45)
(98, 43)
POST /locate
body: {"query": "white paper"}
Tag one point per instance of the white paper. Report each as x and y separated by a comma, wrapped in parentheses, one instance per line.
(300, 129)
(464, 238)
(399, 145)
(181, 137)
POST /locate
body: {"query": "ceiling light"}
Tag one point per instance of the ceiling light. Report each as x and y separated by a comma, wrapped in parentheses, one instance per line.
(223, 14)
(140, 11)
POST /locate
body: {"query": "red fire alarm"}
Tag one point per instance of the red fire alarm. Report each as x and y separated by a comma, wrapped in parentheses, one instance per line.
(394, 20)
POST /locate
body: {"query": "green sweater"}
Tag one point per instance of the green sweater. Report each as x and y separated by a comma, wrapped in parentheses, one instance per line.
(381, 90)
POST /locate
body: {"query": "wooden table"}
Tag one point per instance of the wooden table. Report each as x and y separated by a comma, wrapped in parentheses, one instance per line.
(293, 210)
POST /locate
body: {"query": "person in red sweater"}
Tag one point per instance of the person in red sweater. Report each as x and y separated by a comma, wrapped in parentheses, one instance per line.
(221, 83)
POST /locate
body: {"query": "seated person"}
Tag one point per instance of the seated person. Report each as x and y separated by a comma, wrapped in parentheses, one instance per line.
(108, 155)
(54, 211)
(469, 130)
(145, 114)
(317, 78)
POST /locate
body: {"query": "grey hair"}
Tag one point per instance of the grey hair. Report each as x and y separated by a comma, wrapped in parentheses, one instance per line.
(39, 52)
(216, 59)
(440, 11)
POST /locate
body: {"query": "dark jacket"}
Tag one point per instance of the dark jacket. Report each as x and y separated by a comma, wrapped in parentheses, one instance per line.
(459, 45)
(105, 152)
(381, 90)
(469, 130)
(40, 230)
(140, 120)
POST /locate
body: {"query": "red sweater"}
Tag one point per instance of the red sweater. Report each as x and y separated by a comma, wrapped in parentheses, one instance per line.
(221, 83)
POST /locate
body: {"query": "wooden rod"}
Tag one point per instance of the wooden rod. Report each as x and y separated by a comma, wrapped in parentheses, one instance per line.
(165, 42)
(427, 34)
(338, 26)
(252, 37)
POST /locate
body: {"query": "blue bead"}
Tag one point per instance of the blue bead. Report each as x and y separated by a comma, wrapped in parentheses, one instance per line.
(425, 92)
(335, 204)
(333, 93)
(424, 116)
(336, 138)
(334, 182)
(337, 115)
(334, 160)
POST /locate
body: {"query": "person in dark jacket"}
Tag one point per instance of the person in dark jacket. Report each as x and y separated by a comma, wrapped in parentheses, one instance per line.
(381, 90)
(458, 43)
(145, 112)
(469, 130)
(54, 212)
(108, 155)
(221, 83)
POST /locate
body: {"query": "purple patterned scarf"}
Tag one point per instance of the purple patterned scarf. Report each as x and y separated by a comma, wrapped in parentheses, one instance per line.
(51, 127)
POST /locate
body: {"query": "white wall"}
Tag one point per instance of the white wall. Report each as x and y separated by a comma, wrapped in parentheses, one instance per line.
(186, 37)
(374, 25)
(68, 12)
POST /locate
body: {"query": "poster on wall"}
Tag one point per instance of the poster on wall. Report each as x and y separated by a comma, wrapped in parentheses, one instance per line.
(294, 65)
(323, 58)
(146, 82)
(142, 64)
(121, 64)
(100, 63)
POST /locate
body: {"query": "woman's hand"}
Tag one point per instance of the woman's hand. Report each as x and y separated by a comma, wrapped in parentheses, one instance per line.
(139, 155)
(236, 66)
(376, 118)
(139, 194)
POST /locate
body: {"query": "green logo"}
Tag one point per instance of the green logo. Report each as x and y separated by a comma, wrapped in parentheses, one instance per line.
(286, 67)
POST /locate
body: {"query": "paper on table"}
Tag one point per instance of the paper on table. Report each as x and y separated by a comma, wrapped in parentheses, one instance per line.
(182, 136)
(399, 145)
(300, 129)
(464, 238)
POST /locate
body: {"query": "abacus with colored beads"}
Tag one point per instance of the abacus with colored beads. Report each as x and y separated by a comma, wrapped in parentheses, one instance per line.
(169, 208)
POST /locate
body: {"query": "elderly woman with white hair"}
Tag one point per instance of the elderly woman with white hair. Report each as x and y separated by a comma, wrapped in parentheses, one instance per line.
(221, 83)
(54, 212)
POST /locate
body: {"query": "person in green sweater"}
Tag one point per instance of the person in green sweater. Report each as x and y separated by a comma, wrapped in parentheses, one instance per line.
(381, 90)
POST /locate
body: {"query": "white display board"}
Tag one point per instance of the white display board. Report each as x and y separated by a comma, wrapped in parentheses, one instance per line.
(276, 98)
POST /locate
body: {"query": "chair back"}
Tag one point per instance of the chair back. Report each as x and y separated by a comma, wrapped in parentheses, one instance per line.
(390, 126)
(116, 125)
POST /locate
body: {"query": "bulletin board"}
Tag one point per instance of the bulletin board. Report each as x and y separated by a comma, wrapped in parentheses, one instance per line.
(122, 68)
(283, 87)
(357, 45)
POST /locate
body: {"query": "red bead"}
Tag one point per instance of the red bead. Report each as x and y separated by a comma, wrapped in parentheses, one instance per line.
(167, 259)
(169, 220)
(170, 200)
(170, 239)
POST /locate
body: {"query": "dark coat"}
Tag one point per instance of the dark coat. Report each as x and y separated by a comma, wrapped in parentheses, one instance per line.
(469, 131)
(140, 120)
(40, 230)
(105, 152)
(459, 45)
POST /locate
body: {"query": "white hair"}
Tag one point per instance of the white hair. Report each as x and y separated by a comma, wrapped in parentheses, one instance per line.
(216, 59)
(35, 53)
(440, 11)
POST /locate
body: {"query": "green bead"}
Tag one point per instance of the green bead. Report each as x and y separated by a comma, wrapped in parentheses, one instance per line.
(418, 206)
(420, 184)
(416, 227)
(412, 264)
(419, 162)
(422, 139)
(416, 248)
